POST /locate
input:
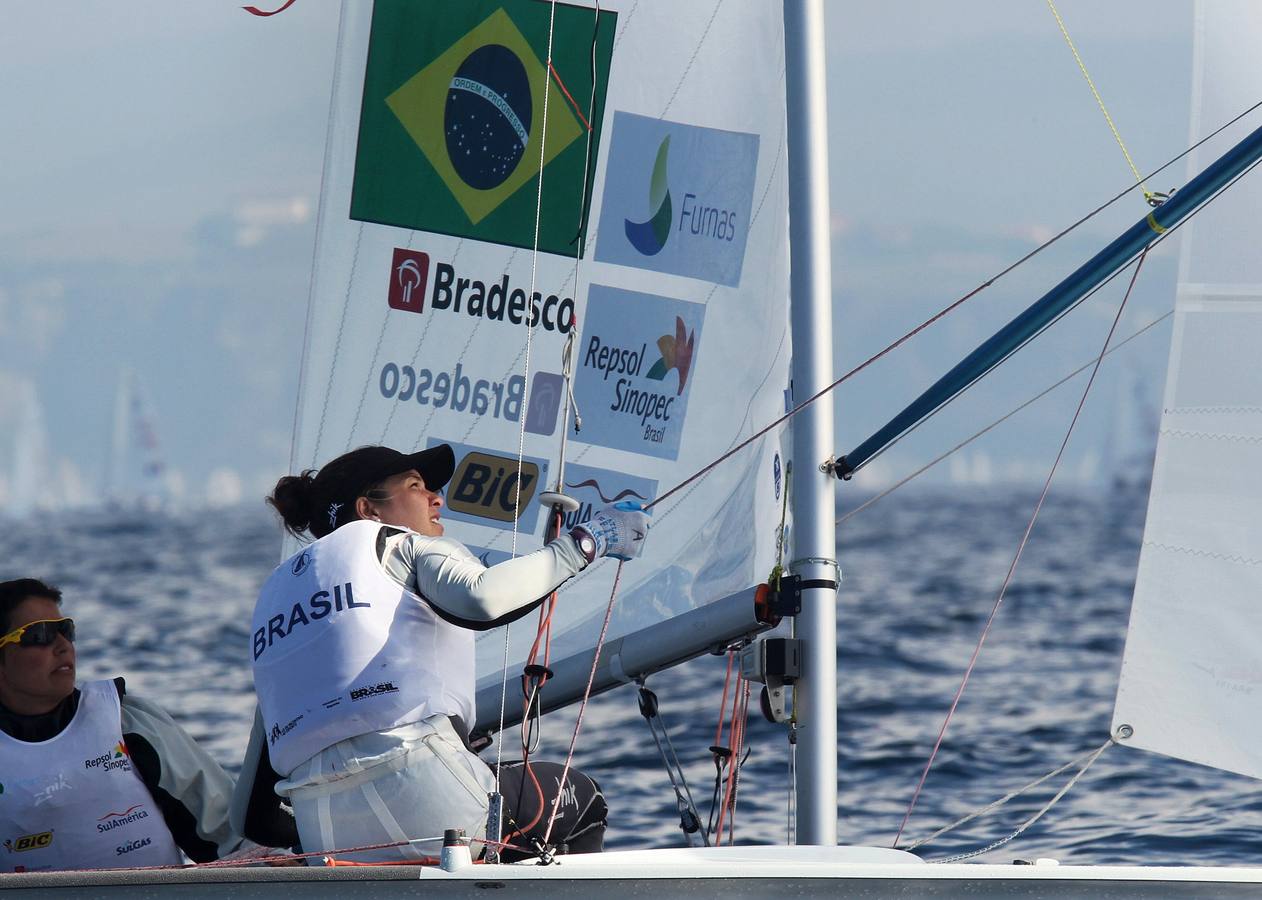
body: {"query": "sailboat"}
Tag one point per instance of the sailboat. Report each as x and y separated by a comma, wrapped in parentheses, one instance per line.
(574, 265)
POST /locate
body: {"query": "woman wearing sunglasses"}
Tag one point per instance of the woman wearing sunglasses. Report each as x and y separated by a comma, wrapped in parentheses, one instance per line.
(363, 652)
(90, 776)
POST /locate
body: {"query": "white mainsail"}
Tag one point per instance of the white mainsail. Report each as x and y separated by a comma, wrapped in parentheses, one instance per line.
(433, 319)
(1191, 675)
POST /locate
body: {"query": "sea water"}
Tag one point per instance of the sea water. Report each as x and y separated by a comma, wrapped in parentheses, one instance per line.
(165, 600)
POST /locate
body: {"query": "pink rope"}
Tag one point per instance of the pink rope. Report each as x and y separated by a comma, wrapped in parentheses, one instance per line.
(582, 707)
(968, 671)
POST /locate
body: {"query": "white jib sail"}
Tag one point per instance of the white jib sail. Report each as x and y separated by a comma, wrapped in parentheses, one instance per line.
(1192, 673)
(670, 267)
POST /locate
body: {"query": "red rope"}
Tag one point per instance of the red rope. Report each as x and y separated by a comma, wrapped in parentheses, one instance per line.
(582, 707)
(968, 671)
(564, 90)
(736, 738)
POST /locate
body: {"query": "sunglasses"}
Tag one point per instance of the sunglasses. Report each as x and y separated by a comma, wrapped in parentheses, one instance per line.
(40, 633)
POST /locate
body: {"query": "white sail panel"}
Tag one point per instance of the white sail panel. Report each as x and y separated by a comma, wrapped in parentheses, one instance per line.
(1192, 675)
(669, 268)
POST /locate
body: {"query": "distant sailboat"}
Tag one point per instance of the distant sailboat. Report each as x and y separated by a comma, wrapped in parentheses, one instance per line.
(136, 477)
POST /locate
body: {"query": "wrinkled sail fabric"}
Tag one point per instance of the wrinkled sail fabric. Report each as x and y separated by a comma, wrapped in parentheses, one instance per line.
(1192, 673)
(661, 228)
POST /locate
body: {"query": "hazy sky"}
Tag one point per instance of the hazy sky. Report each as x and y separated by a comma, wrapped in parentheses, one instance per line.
(161, 170)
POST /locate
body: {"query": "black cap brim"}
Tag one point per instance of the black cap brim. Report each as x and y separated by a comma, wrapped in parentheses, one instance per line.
(436, 465)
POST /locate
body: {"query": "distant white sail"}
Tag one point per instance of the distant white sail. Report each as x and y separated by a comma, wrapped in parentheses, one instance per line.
(1192, 673)
(669, 265)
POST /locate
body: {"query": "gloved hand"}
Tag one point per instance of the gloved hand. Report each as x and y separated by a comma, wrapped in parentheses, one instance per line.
(619, 530)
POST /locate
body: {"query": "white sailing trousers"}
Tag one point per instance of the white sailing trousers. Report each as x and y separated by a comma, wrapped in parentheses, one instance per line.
(408, 784)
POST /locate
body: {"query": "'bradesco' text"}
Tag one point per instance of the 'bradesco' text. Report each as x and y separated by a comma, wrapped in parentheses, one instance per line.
(650, 406)
(456, 390)
(314, 608)
(498, 302)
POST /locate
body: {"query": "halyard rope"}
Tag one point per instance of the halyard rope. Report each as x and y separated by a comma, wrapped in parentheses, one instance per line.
(1152, 198)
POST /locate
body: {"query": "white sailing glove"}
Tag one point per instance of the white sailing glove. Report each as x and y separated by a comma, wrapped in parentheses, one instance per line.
(618, 531)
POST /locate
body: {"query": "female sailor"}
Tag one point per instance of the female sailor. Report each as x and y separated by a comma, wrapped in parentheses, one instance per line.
(363, 654)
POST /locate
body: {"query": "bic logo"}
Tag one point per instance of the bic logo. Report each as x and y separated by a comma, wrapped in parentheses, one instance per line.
(29, 842)
(409, 276)
(486, 486)
(649, 237)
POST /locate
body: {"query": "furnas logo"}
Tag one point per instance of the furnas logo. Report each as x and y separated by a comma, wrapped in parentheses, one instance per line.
(451, 292)
(484, 488)
(635, 361)
(29, 842)
(452, 126)
(594, 488)
(699, 183)
(650, 236)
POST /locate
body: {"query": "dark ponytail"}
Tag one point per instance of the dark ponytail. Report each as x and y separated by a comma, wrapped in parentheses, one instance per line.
(292, 499)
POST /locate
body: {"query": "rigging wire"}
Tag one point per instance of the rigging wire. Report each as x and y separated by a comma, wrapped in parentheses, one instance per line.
(521, 433)
(1091, 758)
(706, 469)
(1085, 759)
(1162, 233)
(1003, 589)
(964, 443)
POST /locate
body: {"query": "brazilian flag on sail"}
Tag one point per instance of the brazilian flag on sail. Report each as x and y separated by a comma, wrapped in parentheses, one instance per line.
(453, 122)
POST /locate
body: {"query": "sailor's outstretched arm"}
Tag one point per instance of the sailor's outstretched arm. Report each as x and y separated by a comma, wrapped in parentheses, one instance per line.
(462, 590)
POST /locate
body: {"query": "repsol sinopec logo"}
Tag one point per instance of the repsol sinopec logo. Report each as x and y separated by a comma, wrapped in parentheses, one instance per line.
(117, 758)
(460, 390)
(305, 612)
(638, 355)
(418, 283)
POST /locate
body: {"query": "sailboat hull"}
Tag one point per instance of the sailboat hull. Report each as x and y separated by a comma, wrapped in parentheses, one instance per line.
(727, 872)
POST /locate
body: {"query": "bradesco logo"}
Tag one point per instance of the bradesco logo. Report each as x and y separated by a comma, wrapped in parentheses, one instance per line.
(595, 488)
(451, 291)
(484, 488)
(678, 198)
(637, 355)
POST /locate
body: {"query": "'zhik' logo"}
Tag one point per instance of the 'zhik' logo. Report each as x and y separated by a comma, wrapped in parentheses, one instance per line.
(650, 236)
(409, 277)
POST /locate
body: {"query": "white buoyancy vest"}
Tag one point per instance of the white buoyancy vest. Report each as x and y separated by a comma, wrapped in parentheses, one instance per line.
(74, 801)
(340, 649)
